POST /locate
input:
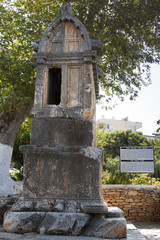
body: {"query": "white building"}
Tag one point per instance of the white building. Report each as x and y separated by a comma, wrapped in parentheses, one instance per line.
(113, 124)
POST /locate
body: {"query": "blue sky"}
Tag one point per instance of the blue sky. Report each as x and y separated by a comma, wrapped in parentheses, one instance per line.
(145, 109)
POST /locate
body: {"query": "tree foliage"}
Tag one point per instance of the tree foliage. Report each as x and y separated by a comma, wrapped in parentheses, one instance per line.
(158, 122)
(111, 173)
(112, 141)
(17, 69)
(128, 29)
(22, 138)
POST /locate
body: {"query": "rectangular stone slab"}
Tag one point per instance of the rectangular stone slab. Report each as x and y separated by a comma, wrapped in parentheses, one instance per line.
(22, 222)
(69, 132)
(64, 223)
(62, 175)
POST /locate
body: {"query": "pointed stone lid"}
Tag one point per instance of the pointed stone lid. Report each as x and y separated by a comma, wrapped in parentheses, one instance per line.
(66, 14)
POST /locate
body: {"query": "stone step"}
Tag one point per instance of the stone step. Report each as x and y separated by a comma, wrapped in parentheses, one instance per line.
(132, 234)
(74, 224)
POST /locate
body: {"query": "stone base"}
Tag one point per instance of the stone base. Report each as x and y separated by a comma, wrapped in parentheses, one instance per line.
(60, 205)
(111, 225)
(5, 204)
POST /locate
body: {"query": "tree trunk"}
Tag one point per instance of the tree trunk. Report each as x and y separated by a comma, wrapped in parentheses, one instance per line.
(9, 127)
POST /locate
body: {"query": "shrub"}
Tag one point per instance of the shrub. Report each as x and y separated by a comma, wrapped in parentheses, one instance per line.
(145, 179)
(17, 175)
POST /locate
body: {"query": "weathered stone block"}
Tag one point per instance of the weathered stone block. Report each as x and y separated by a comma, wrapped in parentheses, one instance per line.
(72, 206)
(63, 131)
(5, 204)
(59, 206)
(42, 205)
(22, 222)
(95, 207)
(107, 228)
(53, 174)
(63, 223)
(23, 206)
(114, 212)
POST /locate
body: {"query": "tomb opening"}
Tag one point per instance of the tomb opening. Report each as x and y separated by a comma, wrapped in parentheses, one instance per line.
(54, 86)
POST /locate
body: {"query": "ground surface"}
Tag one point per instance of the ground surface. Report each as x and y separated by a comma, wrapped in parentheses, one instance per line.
(151, 231)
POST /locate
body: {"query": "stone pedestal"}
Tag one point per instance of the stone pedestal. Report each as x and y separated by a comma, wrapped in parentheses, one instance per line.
(64, 179)
(62, 195)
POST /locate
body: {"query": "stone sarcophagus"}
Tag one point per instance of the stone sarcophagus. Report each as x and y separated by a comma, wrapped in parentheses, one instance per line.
(62, 165)
(62, 162)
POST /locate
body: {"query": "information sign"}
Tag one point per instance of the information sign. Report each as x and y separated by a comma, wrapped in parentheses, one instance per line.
(137, 159)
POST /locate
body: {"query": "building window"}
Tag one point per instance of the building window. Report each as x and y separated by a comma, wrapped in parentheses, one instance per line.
(101, 126)
(133, 128)
(110, 126)
(54, 86)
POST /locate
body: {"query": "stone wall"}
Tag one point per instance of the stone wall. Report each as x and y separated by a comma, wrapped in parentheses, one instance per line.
(139, 202)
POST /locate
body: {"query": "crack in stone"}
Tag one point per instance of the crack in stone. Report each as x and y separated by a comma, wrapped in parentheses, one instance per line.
(74, 226)
(83, 230)
(38, 228)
